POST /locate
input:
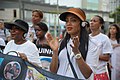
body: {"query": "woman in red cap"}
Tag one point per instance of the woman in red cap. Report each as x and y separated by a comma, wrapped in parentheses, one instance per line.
(74, 58)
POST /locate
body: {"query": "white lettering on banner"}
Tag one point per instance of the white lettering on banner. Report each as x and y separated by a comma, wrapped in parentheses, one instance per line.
(44, 50)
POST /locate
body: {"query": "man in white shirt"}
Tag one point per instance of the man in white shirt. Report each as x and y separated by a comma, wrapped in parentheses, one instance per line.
(96, 23)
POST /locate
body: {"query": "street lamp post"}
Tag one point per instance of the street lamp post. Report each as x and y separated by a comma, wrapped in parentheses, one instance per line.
(56, 15)
(58, 12)
(116, 10)
(114, 3)
(21, 10)
(20, 7)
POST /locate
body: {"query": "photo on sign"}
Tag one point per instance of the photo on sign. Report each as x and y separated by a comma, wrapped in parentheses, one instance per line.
(33, 74)
(12, 70)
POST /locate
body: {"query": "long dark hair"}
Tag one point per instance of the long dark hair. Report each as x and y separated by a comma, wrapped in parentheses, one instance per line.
(83, 47)
(117, 33)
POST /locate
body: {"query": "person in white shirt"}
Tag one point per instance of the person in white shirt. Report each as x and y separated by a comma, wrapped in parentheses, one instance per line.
(114, 36)
(45, 52)
(26, 49)
(4, 33)
(76, 47)
(96, 23)
(3, 36)
(2, 45)
(37, 16)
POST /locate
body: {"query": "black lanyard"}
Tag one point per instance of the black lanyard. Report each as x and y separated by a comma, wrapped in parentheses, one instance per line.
(73, 70)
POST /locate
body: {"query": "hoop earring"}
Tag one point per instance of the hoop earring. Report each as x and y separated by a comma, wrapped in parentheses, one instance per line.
(25, 34)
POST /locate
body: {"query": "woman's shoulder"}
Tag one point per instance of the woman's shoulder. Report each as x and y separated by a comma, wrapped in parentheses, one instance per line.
(30, 45)
(11, 41)
(103, 35)
(28, 42)
(1, 39)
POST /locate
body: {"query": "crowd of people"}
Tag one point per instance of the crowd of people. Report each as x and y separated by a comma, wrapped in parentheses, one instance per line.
(82, 53)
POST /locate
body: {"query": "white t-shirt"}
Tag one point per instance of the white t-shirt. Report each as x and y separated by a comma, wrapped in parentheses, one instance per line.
(105, 48)
(115, 58)
(31, 32)
(91, 59)
(4, 33)
(28, 48)
(2, 42)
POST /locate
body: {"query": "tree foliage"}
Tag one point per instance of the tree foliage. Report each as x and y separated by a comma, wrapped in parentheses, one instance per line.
(116, 15)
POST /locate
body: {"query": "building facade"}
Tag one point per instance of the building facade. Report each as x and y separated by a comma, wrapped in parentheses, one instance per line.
(10, 10)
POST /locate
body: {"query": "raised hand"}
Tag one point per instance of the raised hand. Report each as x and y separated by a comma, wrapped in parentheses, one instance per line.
(75, 45)
(53, 42)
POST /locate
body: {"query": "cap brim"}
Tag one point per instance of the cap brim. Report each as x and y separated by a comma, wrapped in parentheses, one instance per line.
(9, 25)
(63, 15)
